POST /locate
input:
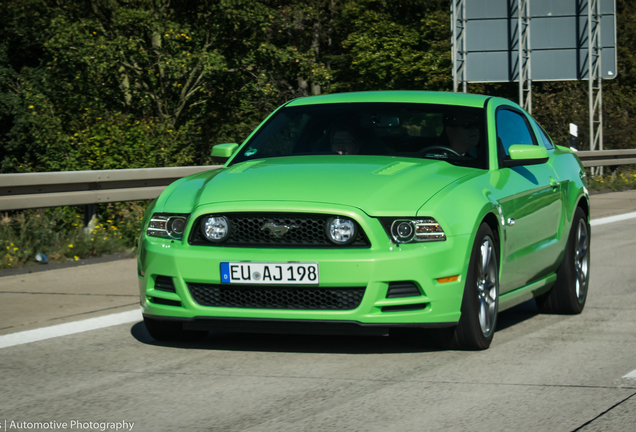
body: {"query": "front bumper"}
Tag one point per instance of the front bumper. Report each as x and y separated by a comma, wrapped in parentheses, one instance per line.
(373, 268)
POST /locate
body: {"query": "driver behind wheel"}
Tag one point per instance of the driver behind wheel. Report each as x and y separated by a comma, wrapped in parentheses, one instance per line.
(462, 134)
(344, 139)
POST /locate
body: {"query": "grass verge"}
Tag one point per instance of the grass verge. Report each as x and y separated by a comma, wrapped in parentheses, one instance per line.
(622, 178)
(59, 233)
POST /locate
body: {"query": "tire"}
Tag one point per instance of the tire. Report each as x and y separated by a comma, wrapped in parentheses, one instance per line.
(569, 292)
(171, 331)
(480, 302)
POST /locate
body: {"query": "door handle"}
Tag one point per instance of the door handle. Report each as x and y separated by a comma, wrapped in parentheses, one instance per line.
(554, 183)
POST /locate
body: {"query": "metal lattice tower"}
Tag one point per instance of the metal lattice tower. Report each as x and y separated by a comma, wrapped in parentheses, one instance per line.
(487, 48)
(525, 64)
(595, 79)
(458, 26)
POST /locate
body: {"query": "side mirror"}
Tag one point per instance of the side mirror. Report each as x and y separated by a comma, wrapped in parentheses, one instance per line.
(523, 154)
(224, 150)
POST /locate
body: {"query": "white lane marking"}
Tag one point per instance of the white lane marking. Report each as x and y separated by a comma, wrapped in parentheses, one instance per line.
(631, 375)
(611, 219)
(65, 329)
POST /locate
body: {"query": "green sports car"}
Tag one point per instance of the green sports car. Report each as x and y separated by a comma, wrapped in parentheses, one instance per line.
(367, 212)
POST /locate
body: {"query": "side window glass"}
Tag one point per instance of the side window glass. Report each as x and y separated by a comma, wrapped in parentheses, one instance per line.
(511, 129)
(545, 140)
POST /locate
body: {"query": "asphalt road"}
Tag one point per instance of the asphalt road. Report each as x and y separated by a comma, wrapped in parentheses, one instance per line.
(542, 372)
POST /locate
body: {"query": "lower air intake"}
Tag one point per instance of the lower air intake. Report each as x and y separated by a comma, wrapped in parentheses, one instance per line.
(166, 302)
(288, 297)
(402, 289)
(164, 283)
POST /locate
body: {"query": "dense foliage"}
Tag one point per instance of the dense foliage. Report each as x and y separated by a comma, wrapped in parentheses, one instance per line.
(121, 84)
(101, 84)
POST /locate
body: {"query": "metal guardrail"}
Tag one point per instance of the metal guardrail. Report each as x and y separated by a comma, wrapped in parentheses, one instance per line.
(607, 157)
(52, 189)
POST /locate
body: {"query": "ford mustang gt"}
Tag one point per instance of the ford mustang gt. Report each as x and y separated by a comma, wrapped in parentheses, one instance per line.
(366, 212)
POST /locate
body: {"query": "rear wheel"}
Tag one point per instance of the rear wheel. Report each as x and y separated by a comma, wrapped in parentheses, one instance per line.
(480, 302)
(569, 293)
(165, 331)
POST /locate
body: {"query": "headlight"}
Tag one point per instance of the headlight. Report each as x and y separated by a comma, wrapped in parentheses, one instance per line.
(167, 225)
(215, 228)
(418, 230)
(341, 231)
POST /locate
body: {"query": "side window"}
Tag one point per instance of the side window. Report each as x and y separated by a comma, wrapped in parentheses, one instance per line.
(511, 129)
(545, 139)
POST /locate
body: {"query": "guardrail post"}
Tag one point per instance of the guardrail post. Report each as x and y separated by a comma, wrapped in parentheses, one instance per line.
(90, 217)
(89, 213)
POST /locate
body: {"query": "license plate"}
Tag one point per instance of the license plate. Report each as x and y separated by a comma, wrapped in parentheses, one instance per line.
(270, 273)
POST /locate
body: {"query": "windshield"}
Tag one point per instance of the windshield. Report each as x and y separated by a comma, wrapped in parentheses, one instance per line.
(451, 133)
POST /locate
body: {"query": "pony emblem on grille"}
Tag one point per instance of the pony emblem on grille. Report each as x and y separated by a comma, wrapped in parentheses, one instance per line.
(277, 230)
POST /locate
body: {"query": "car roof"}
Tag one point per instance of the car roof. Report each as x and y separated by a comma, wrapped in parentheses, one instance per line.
(428, 97)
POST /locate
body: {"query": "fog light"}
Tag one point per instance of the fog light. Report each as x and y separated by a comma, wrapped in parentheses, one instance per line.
(341, 231)
(215, 228)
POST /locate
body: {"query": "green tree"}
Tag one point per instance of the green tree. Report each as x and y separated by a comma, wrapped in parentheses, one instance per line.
(393, 46)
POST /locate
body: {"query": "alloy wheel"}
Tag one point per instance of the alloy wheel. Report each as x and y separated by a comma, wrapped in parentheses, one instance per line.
(487, 286)
(581, 260)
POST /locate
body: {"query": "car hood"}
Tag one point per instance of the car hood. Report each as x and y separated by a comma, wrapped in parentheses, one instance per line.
(378, 185)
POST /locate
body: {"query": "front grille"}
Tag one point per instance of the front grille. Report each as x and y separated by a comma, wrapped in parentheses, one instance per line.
(267, 297)
(246, 230)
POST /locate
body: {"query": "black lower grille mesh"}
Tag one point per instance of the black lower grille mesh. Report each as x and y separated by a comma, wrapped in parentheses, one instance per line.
(265, 297)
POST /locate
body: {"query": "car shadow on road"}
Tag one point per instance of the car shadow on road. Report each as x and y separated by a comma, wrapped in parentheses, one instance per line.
(407, 341)
(404, 341)
(516, 315)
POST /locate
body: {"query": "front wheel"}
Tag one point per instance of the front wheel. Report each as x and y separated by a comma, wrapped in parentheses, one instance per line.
(569, 293)
(480, 302)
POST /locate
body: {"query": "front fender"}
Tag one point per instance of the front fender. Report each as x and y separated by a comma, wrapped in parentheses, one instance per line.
(462, 207)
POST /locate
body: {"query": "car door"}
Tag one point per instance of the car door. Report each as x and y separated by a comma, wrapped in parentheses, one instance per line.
(532, 206)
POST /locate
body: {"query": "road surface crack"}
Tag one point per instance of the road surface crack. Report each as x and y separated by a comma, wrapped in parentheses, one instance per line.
(604, 412)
